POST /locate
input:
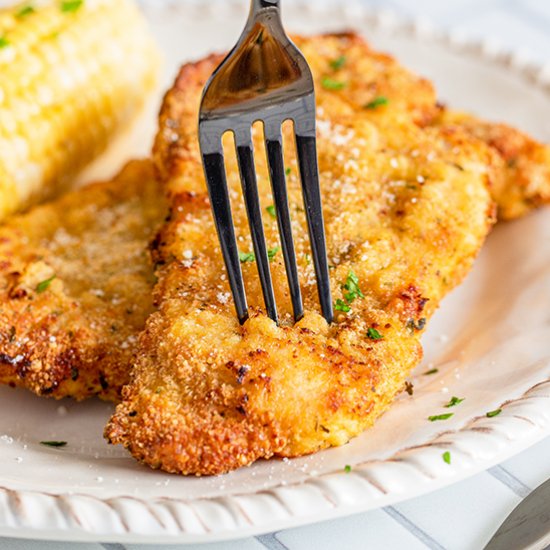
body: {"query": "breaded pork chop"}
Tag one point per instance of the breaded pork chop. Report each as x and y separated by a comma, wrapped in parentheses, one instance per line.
(406, 209)
(75, 286)
(523, 180)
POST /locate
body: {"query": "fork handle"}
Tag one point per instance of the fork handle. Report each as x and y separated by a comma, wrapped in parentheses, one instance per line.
(259, 5)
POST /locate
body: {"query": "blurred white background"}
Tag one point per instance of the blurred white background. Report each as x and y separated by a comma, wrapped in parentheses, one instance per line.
(522, 25)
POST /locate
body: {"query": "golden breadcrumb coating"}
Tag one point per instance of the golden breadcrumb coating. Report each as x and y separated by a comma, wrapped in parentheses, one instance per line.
(407, 207)
(523, 181)
(75, 286)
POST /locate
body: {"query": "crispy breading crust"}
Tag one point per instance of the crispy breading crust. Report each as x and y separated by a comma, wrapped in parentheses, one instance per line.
(522, 181)
(75, 287)
(406, 209)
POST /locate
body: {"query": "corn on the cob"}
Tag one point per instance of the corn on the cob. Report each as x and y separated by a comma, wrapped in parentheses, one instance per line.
(72, 72)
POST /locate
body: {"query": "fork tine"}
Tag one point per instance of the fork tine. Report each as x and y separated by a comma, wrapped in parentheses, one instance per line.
(245, 156)
(274, 147)
(214, 169)
(309, 171)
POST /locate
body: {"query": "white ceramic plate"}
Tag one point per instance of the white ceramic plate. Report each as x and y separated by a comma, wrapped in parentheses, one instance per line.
(490, 342)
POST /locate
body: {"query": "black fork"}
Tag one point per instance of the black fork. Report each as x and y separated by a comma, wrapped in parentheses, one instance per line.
(264, 78)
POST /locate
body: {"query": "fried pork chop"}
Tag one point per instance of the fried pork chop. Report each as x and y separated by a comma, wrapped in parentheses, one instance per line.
(407, 206)
(75, 287)
(522, 181)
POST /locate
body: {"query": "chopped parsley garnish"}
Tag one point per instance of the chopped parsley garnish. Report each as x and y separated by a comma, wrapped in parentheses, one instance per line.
(272, 252)
(288, 171)
(496, 412)
(352, 292)
(308, 259)
(377, 102)
(24, 11)
(454, 401)
(42, 286)
(338, 63)
(347, 469)
(431, 371)
(271, 211)
(437, 417)
(53, 443)
(352, 287)
(446, 457)
(4, 42)
(332, 84)
(340, 305)
(70, 6)
(373, 334)
(246, 257)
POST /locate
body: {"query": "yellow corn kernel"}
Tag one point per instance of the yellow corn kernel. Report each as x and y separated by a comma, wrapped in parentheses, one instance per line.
(73, 73)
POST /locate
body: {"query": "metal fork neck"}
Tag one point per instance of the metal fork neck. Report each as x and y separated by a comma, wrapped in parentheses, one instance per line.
(267, 13)
(257, 6)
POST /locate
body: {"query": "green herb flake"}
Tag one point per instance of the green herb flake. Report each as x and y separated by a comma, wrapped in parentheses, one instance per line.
(4, 42)
(70, 6)
(53, 443)
(338, 63)
(308, 259)
(332, 84)
(247, 257)
(352, 287)
(377, 102)
(373, 334)
(437, 417)
(24, 11)
(347, 469)
(496, 412)
(271, 211)
(431, 371)
(288, 171)
(272, 252)
(454, 401)
(340, 305)
(446, 457)
(42, 286)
